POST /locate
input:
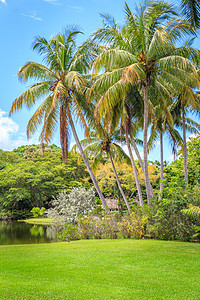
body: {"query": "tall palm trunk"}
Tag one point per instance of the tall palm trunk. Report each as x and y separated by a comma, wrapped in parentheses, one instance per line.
(63, 134)
(184, 145)
(146, 172)
(103, 201)
(118, 182)
(134, 169)
(161, 164)
(140, 161)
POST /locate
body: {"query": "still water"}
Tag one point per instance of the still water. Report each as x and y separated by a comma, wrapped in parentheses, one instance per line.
(22, 233)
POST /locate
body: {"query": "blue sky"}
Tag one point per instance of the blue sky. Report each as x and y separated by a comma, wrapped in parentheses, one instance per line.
(20, 22)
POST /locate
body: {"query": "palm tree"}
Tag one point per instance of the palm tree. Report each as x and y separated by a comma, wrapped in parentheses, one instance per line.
(191, 10)
(162, 123)
(122, 109)
(127, 130)
(141, 53)
(188, 100)
(102, 142)
(62, 84)
(134, 118)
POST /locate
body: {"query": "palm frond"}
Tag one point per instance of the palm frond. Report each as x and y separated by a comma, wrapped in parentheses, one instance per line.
(191, 10)
(32, 70)
(110, 98)
(73, 80)
(113, 59)
(133, 74)
(118, 154)
(30, 96)
(49, 127)
(37, 118)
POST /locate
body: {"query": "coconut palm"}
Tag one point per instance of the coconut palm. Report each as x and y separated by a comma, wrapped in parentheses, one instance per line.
(133, 106)
(142, 53)
(191, 10)
(187, 101)
(61, 83)
(162, 123)
(103, 143)
(122, 109)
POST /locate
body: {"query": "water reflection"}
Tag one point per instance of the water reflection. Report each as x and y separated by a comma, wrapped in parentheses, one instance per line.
(22, 233)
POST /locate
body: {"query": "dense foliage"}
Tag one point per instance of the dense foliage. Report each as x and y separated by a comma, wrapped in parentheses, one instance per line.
(29, 179)
(174, 217)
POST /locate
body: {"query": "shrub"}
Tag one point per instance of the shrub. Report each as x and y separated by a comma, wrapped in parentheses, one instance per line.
(70, 233)
(132, 225)
(98, 227)
(37, 212)
(166, 222)
(112, 225)
(68, 207)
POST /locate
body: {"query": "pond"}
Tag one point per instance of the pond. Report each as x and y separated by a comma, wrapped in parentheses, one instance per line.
(22, 233)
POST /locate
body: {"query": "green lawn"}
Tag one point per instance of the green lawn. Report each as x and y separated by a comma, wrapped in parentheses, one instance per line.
(101, 269)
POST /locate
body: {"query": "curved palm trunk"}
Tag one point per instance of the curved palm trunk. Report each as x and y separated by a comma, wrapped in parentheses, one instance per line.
(86, 162)
(63, 134)
(184, 146)
(134, 170)
(118, 182)
(146, 172)
(161, 165)
(140, 161)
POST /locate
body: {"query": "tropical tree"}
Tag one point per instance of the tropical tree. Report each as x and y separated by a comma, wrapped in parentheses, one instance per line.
(133, 105)
(142, 53)
(103, 143)
(191, 10)
(162, 123)
(188, 100)
(62, 84)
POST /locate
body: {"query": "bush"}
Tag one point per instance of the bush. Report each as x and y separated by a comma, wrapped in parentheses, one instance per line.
(68, 207)
(166, 221)
(108, 226)
(98, 227)
(70, 233)
(133, 225)
(37, 212)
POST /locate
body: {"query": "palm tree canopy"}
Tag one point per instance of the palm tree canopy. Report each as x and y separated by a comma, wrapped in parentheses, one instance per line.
(191, 10)
(59, 80)
(143, 49)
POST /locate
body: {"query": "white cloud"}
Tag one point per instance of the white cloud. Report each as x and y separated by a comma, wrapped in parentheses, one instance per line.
(3, 1)
(78, 8)
(193, 135)
(54, 2)
(33, 16)
(8, 128)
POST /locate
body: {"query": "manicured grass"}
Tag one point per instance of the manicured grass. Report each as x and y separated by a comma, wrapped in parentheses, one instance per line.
(101, 269)
(39, 221)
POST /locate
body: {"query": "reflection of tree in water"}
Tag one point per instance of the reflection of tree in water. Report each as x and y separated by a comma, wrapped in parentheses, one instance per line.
(22, 233)
(14, 232)
(37, 230)
(52, 232)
